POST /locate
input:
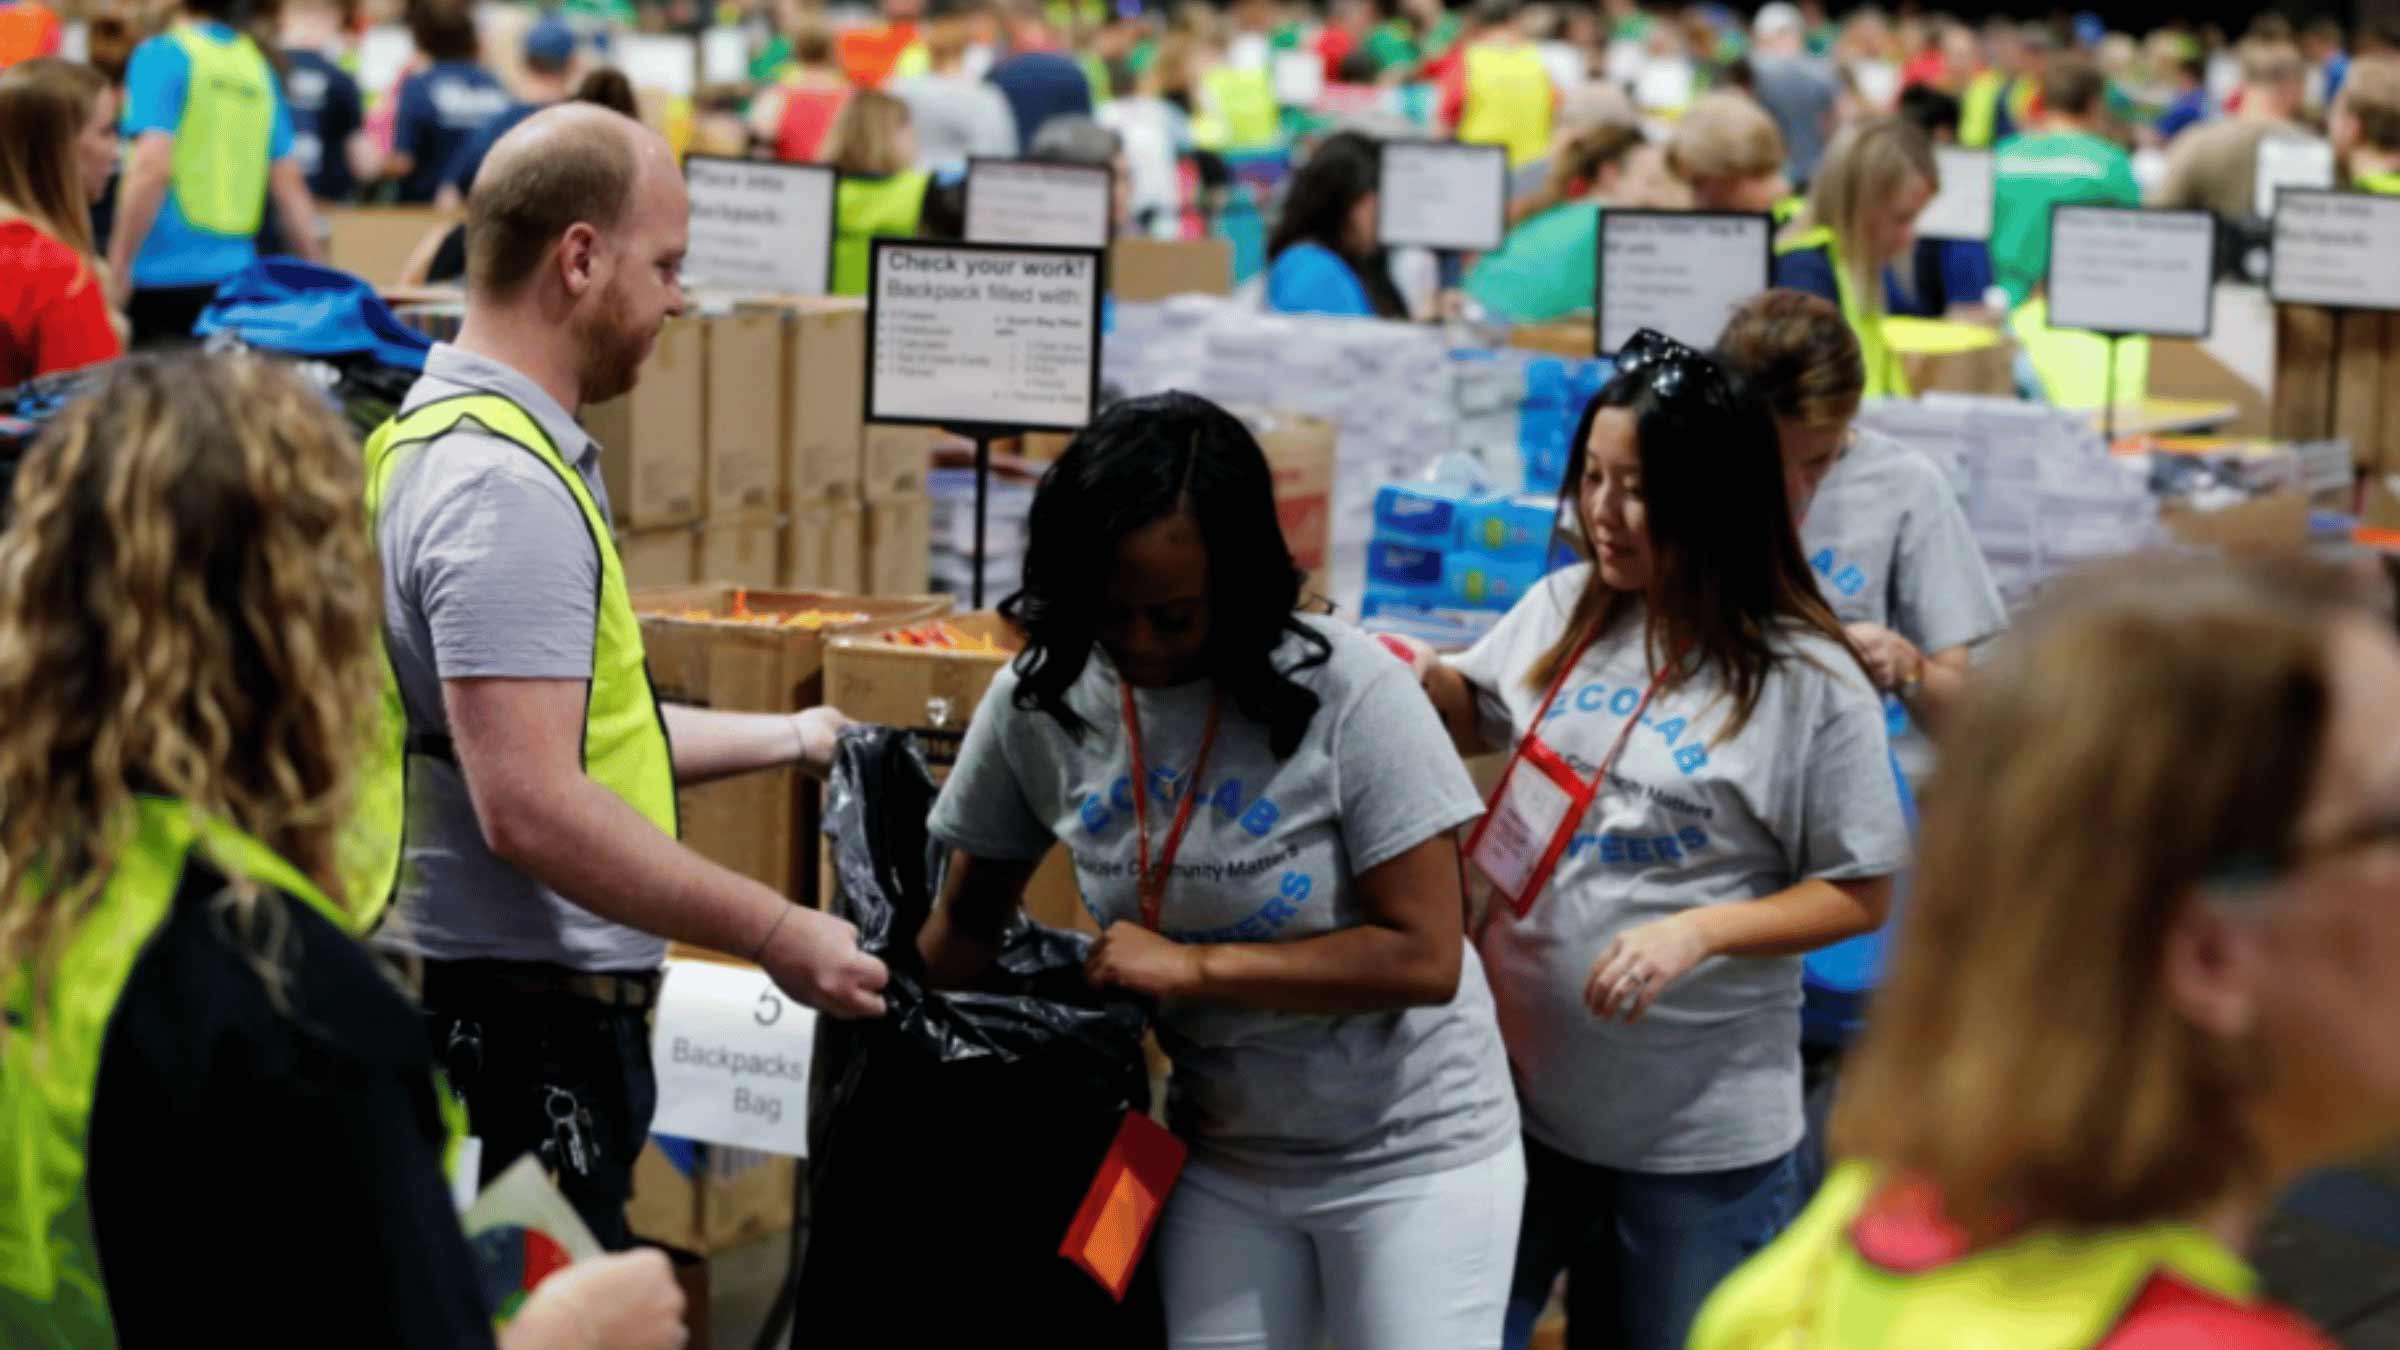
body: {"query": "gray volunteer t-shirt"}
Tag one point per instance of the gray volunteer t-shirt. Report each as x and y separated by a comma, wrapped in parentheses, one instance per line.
(1891, 546)
(1271, 856)
(1709, 1079)
(489, 570)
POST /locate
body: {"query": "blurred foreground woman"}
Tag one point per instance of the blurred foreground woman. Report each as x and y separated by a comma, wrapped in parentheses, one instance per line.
(217, 1112)
(2148, 978)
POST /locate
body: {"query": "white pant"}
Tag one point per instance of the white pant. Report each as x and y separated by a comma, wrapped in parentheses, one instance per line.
(1415, 1263)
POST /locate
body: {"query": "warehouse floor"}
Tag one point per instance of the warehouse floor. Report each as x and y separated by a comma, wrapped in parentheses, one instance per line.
(2332, 1251)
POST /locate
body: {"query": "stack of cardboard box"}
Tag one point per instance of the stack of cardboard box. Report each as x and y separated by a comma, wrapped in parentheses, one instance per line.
(743, 457)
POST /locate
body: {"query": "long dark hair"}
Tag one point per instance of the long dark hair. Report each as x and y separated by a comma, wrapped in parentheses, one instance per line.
(1343, 168)
(1727, 570)
(1140, 462)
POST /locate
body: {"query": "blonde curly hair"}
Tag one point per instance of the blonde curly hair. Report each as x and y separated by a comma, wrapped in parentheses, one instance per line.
(189, 608)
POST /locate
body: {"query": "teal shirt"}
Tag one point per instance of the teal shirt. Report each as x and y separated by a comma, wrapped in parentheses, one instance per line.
(1544, 270)
(2037, 172)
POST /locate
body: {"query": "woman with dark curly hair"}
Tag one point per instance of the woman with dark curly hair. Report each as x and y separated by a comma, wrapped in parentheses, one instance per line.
(1260, 808)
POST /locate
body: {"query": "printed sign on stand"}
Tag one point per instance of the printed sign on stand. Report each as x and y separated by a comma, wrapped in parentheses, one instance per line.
(2340, 250)
(724, 56)
(1683, 273)
(1963, 207)
(731, 1052)
(2290, 162)
(759, 226)
(666, 62)
(1017, 201)
(2124, 270)
(1442, 195)
(1299, 78)
(971, 336)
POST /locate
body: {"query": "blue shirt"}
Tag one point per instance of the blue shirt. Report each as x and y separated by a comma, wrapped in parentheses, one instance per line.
(326, 113)
(2191, 108)
(461, 170)
(1038, 87)
(440, 110)
(1309, 278)
(178, 253)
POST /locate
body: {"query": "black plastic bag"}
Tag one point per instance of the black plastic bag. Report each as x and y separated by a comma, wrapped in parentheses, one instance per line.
(952, 1141)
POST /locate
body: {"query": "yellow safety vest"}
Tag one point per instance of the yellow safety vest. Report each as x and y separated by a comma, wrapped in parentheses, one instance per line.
(1240, 113)
(51, 1287)
(220, 162)
(2381, 184)
(1979, 110)
(2044, 1291)
(625, 745)
(1508, 101)
(2072, 363)
(867, 209)
(1885, 378)
(1788, 210)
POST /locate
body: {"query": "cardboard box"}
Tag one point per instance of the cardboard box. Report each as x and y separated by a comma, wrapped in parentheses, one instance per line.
(825, 549)
(1154, 269)
(824, 382)
(899, 545)
(1300, 452)
(704, 1198)
(651, 439)
(374, 243)
(935, 694)
(761, 825)
(1573, 338)
(743, 553)
(745, 414)
(1044, 446)
(896, 461)
(651, 558)
(2275, 523)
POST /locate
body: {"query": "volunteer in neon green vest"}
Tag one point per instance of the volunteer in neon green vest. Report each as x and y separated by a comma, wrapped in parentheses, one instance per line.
(873, 144)
(2365, 126)
(206, 1082)
(541, 876)
(1546, 268)
(2073, 1109)
(212, 140)
(2064, 162)
(1499, 92)
(1875, 180)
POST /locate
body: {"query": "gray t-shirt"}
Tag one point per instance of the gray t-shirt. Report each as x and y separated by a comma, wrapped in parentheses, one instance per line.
(1891, 546)
(489, 570)
(1799, 93)
(1709, 1079)
(1271, 856)
(956, 118)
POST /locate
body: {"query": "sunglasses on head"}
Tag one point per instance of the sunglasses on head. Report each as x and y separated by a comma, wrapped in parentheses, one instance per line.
(1670, 364)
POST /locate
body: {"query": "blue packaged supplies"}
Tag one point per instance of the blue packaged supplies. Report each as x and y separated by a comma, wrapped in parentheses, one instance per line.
(1509, 527)
(1417, 574)
(1421, 513)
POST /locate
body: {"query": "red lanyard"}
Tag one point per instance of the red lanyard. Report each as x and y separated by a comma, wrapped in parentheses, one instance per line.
(1617, 749)
(1153, 884)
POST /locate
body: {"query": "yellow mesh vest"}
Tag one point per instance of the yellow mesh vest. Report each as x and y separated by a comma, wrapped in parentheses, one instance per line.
(220, 161)
(1508, 101)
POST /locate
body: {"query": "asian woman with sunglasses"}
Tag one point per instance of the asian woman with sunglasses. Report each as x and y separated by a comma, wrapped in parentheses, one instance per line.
(1700, 792)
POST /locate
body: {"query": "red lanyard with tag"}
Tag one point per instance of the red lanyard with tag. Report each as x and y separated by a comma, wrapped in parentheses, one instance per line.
(1530, 821)
(1153, 883)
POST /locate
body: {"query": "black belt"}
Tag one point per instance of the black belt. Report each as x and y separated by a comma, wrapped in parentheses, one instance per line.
(455, 982)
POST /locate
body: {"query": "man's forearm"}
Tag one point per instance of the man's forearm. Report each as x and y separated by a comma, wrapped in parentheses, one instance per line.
(296, 211)
(139, 200)
(587, 844)
(711, 744)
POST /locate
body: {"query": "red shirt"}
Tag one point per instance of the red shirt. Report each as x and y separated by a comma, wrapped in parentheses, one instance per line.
(52, 314)
(807, 115)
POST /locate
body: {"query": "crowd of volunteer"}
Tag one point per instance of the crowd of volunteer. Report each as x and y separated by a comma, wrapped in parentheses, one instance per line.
(338, 814)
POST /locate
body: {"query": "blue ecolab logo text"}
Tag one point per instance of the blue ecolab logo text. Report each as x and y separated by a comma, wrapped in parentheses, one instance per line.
(1599, 698)
(1848, 580)
(1257, 818)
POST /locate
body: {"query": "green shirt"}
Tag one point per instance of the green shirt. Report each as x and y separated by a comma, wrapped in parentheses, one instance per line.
(1544, 270)
(1392, 47)
(767, 66)
(2036, 173)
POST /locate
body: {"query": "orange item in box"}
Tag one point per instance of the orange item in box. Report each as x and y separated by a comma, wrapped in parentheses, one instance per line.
(943, 637)
(811, 619)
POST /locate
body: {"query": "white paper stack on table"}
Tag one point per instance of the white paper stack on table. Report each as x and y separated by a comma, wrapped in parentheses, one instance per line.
(952, 565)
